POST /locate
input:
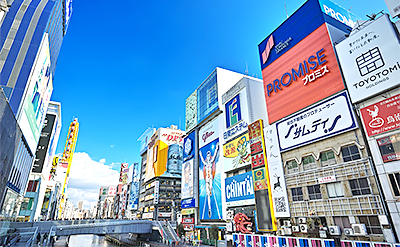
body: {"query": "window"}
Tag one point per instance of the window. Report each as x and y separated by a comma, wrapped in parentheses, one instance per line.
(342, 222)
(335, 190)
(390, 148)
(314, 192)
(328, 158)
(360, 187)
(309, 163)
(350, 153)
(292, 167)
(297, 194)
(394, 179)
(372, 224)
(32, 186)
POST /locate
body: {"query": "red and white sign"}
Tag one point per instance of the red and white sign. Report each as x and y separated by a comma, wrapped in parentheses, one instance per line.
(112, 190)
(382, 116)
(164, 214)
(187, 221)
(188, 227)
(328, 179)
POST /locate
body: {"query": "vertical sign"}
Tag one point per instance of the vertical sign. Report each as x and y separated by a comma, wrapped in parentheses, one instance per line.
(265, 214)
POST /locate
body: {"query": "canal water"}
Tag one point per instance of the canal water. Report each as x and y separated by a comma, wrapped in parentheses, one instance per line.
(90, 241)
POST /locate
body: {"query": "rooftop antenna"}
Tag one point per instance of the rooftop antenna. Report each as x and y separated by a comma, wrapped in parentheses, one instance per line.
(287, 16)
(247, 70)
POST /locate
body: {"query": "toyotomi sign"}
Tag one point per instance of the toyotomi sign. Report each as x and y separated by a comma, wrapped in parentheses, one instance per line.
(370, 59)
(327, 118)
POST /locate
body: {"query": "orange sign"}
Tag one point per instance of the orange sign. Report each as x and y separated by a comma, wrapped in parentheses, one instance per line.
(305, 74)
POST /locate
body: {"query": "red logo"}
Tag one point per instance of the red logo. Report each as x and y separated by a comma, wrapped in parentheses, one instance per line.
(268, 47)
(207, 134)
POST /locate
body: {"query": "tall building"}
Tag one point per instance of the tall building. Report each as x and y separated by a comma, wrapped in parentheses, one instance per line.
(31, 34)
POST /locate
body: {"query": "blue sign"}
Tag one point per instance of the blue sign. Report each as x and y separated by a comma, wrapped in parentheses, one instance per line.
(233, 112)
(338, 13)
(188, 203)
(207, 97)
(189, 146)
(239, 190)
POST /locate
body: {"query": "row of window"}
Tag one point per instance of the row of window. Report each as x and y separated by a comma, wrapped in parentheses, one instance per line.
(358, 187)
(349, 153)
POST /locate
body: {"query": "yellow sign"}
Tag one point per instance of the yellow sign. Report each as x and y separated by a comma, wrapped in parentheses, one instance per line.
(187, 211)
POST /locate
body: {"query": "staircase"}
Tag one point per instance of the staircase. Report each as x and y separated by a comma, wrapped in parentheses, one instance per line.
(166, 230)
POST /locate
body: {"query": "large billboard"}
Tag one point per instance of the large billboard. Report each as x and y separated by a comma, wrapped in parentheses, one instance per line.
(37, 96)
(165, 154)
(44, 142)
(123, 174)
(298, 62)
(382, 116)
(329, 117)
(210, 177)
(145, 138)
(187, 179)
(189, 146)
(191, 111)
(239, 190)
(370, 59)
(207, 97)
(237, 153)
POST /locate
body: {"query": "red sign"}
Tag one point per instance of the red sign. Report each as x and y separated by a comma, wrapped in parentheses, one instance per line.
(382, 116)
(305, 74)
(187, 220)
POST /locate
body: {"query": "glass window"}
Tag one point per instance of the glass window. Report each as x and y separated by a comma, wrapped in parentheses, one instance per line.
(314, 192)
(359, 187)
(292, 167)
(328, 158)
(309, 163)
(335, 190)
(390, 148)
(350, 153)
(372, 224)
(342, 222)
(297, 194)
(394, 179)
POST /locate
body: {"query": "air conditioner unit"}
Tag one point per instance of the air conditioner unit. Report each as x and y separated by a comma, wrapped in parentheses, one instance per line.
(281, 232)
(288, 231)
(334, 230)
(287, 223)
(295, 228)
(303, 228)
(302, 220)
(359, 229)
(348, 231)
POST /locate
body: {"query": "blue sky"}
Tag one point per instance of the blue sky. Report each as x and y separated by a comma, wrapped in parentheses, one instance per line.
(126, 66)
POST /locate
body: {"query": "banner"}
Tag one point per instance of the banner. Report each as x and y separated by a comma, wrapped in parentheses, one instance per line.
(187, 179)
(239, 190)
(237, 153)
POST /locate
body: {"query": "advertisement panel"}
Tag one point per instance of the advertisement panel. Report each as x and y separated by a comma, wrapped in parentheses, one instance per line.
(123, 174)
(209, 132)
(305, 74)
(134, 192)
(37, 96)
(389, 147)
(262, 188)
(112, 191)
(370, 59)
(280, 198)
(330, 117)
(236, 115)
(43, 144)
(104, 191)
(210, 182)
(237, 153)
(207, 97)
(239, 190)
(338, 13)
(165, 154)
(187, 179)
(191, 111)
(145, 138)
(188, 203)
(382, 116)
(189, 146)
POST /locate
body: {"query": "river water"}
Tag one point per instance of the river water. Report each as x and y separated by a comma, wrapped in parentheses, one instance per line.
(89, 241)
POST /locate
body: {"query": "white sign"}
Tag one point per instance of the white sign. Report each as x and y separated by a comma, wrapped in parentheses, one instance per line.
(276, 174)
(328, 179)
(330, 117)
(156, 191)
(148, 215)
(370, 59)
(209, 132)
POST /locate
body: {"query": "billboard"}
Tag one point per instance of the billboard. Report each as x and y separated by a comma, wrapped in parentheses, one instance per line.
(44, 142)
(299, 63)
(370, 59)
(104, 191)
(145, 138)
(189, 146)
(382, 116)
(165, 154)
(207, 97)
(262, 188)
(239, 190)
(237, 153)
(123, 174)
(329, 117)
(112, 191)
(134, 192)
(37, 96)
(338, 13)
(191, 111)
(187, 179)
(188, 203)
(280, 198)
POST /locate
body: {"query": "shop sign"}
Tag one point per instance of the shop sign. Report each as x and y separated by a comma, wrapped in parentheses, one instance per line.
(188, 227)
(382, 116)
(328, 179)
(164, 214)
(187, 211)
(188, 203)
(148, 215)
(187, 220)
(239, 190)
(330, 117)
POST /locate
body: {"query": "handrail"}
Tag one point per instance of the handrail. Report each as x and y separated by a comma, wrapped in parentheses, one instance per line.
(32, 239)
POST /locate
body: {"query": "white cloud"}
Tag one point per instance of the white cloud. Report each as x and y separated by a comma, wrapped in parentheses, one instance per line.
(86, 178)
